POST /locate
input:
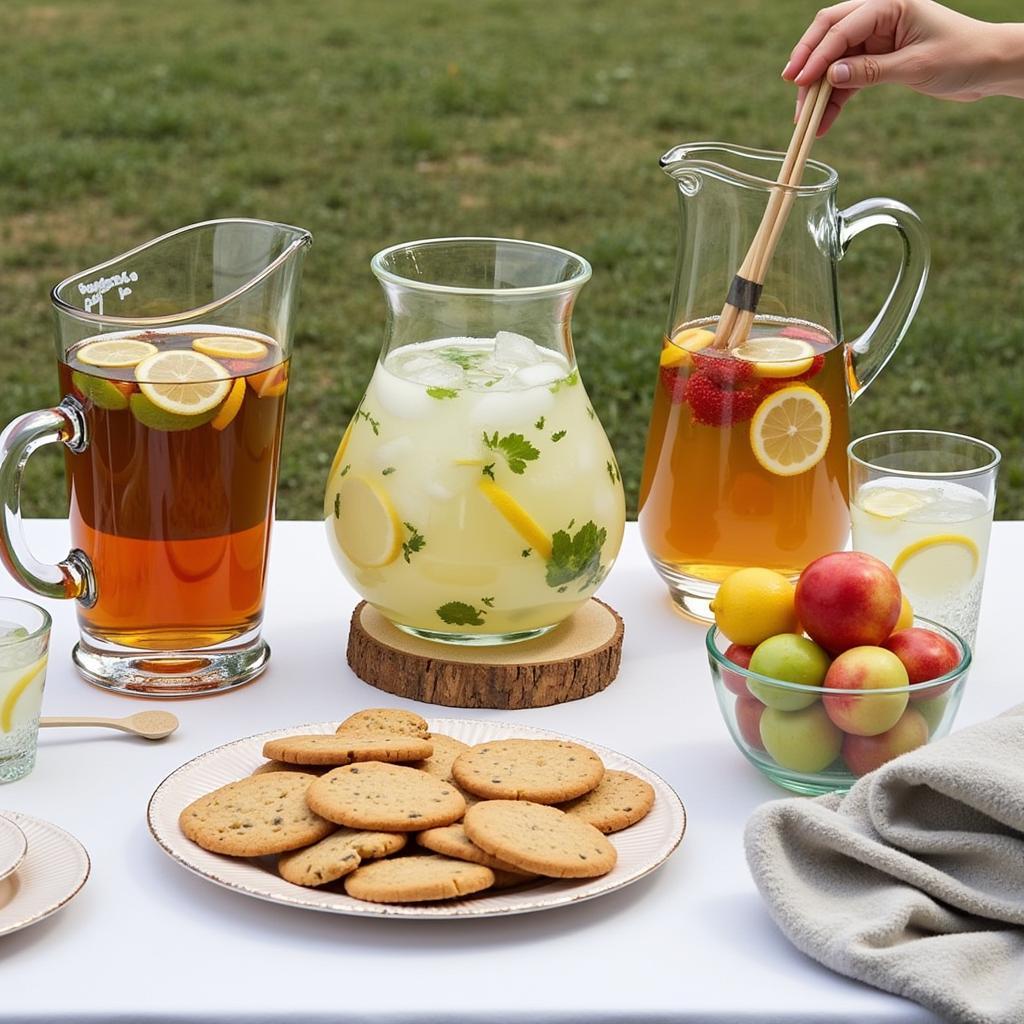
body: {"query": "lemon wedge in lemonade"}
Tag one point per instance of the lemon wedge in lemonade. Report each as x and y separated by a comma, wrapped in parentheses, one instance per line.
(938, 564)
(517, 517)
(790, 430)
(118, 352)
(230, 347)
(183, 383)
(776, 357)
(15, 692)
(677, 351)
(368, 528)
(890, 502)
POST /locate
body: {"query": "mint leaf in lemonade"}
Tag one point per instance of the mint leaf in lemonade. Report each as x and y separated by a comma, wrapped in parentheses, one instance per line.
(461, 421)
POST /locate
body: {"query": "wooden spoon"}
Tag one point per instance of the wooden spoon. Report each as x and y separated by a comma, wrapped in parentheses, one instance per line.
(150, 725)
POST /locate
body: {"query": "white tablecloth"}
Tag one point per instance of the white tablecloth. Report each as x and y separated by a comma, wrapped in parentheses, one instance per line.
(146, 940)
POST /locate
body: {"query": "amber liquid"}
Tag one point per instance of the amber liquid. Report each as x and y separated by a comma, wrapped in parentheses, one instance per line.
(176, 522)
(707, 505)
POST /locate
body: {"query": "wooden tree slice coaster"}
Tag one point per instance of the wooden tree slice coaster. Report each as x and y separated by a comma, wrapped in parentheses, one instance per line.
(578, 658)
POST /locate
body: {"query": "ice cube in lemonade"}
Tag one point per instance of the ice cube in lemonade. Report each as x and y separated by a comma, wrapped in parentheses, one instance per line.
(934, 534)
(474, 495)
(173, 498)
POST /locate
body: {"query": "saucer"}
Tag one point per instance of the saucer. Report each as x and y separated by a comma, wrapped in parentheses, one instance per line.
(13, 846)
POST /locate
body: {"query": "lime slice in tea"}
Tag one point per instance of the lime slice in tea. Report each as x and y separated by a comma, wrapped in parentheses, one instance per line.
(368, 527)
(118, 352)
(230, 347)
(150, 415)
(517, 517)
(101, 392)
(183, 383)
(776, 357)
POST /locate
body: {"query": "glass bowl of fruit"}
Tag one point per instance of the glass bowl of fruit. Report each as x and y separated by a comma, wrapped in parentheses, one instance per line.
(823, 682)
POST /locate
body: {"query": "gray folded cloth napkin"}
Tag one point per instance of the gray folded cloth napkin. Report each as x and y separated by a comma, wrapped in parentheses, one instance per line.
(914, 880)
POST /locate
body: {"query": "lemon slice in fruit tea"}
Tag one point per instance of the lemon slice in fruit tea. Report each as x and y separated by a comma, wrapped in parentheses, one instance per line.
(230, 347)
(368, 529)
(517, 517)
(941, 564)
(890, 502)
(790, 431)
(776, 357)
(118, 352)
(182, 382)
(677, 352)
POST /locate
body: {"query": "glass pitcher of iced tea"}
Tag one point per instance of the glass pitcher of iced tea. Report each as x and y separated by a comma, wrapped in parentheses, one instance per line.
(173, 362)
(745, 462)
(474, 497)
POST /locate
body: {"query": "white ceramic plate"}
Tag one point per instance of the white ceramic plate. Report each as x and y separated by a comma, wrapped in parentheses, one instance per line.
(12, 846)
(54, 869)
(641, 848)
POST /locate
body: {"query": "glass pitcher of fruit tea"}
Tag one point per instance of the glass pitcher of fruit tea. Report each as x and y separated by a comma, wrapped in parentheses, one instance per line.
(173, 362)
(474, 497)
(745, 462)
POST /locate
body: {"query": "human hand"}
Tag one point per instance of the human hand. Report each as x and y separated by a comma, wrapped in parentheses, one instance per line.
(917, 43)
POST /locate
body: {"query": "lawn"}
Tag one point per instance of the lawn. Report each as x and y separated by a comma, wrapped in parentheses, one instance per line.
(373, 123)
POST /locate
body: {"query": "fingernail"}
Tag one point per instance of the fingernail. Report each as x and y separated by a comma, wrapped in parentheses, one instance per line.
(789, 64)
(840, 73)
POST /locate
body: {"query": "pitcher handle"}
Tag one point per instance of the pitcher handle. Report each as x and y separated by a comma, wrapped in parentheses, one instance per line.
(870, 351)
(72, 577)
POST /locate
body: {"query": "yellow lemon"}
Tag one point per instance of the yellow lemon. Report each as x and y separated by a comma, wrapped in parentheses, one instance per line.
(229, 410)
(368, 527)
(938, 564)
(890, 502)
(120, 352)
(22, 684)
(232, 346)
(776, 357)
(517, 517)
(790, 430)
(906, 619)
(677, 351)
(182, 382)
(754, 604)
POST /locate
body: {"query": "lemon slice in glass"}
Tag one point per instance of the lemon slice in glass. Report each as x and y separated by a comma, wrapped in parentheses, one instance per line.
(118, 352)
(517, 517)
(230, 347)
(15, 692)
(890, 502)
(790, 431)
(940, 564)
(183, 383)
(677, 351)
(368, 528)
(776, 357)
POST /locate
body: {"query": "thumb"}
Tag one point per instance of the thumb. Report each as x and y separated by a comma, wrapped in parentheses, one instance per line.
(867, 69)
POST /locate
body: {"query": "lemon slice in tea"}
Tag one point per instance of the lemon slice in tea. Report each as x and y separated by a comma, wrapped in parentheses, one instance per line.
(776, 357)
(229, 410)
(118, 352)
(790, 431)
(517, 517)
(939, 564)
(230, 347)
(677, 351)
(183, 383)
(368, 528)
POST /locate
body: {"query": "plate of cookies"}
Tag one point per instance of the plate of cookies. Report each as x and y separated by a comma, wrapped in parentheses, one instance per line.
(388, 814)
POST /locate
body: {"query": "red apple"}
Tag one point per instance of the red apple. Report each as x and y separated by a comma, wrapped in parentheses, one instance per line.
(740, 655)
(848, 599)
(867, 673)
(925, 655)
(748, 720)
(864, 754)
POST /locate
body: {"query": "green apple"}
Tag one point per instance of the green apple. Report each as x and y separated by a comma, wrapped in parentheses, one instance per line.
(803, 741)
(790, 658)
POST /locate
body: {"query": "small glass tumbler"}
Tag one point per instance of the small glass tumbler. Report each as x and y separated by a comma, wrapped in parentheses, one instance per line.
(922, 502)
(24, 642)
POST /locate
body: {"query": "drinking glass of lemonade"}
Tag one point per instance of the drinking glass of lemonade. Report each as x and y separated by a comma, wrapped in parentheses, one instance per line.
(24, 641)
(474, 497)
(922, 502)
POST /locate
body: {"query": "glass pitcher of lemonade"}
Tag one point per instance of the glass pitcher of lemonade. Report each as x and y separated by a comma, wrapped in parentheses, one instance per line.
(474, 497)
(746, 451)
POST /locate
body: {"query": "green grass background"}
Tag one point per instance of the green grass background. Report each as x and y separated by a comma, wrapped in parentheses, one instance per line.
(374, 123)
